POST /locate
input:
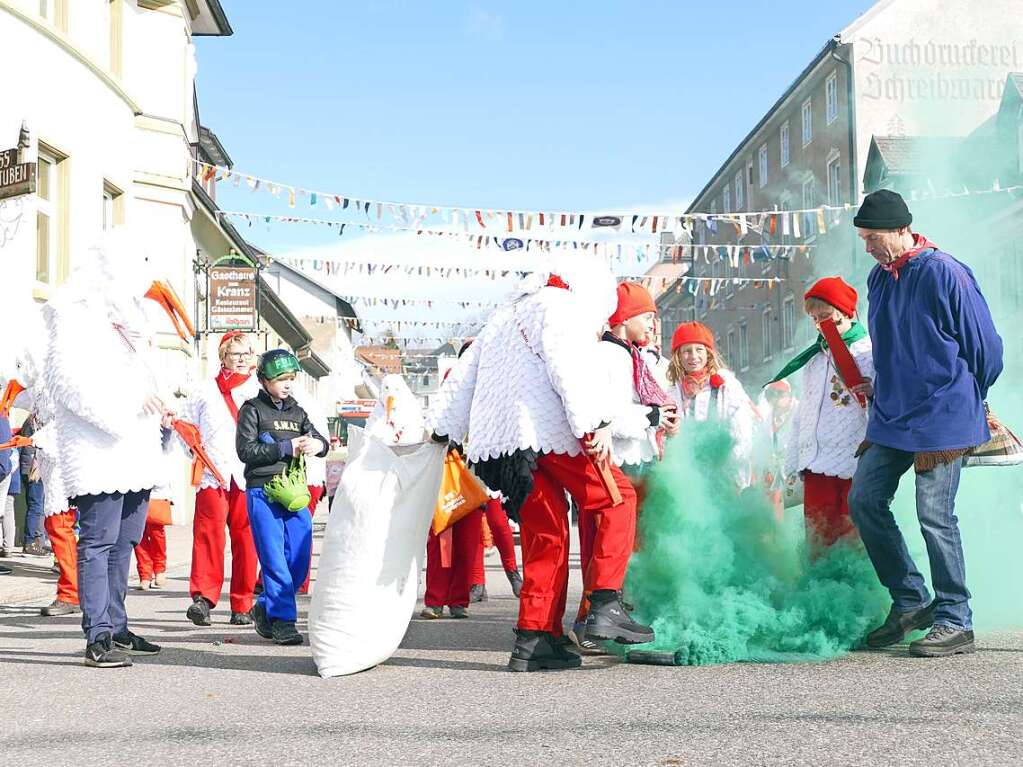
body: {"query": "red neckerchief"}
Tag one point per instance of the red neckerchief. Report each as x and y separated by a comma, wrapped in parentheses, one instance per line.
(920, 243)
(226, 381)
(692, 383)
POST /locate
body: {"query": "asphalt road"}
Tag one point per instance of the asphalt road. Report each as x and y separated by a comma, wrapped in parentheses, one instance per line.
(221, 695)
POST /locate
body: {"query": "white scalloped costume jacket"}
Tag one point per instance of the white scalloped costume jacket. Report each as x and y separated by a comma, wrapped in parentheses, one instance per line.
(207, 410)
(531, 379)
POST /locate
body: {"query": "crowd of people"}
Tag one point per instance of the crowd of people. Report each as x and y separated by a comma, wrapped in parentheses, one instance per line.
(564, 397)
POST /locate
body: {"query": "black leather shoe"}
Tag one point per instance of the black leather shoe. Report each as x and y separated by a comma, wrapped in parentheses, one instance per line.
(241, 619)
(103, 654)
(133, 644)
(609, 620)
(897, 625)
(943, 640)
(284, 632)
(199, 611)
(537, 650)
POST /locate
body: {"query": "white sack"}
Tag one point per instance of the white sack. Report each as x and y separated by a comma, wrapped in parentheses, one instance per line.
(373, 548)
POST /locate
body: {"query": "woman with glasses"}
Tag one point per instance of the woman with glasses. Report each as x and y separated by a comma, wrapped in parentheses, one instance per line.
(213, 407)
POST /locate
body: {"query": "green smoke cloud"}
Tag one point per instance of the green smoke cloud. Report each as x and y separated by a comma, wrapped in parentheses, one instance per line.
(721, 580)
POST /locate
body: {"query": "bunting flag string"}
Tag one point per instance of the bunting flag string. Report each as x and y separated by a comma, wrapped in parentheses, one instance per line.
(395, 303)
(617, 249)
(493, 220)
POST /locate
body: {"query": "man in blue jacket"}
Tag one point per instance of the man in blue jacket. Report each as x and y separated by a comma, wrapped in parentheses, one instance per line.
(936, 354)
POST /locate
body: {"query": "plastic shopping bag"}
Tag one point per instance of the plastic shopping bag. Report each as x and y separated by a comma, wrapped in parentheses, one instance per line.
(460, 493)
(373, 548)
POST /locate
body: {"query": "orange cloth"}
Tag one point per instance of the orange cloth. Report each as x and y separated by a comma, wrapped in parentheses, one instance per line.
(61, 530)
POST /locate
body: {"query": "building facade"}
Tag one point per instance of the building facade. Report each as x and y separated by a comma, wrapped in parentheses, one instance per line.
(903, 67)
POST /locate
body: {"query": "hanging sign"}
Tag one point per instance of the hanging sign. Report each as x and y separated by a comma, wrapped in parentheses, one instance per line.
(232, 298)
(16, 178)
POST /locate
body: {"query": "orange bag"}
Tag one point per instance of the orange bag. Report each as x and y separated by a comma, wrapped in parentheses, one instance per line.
(159, 512)
(460, 493)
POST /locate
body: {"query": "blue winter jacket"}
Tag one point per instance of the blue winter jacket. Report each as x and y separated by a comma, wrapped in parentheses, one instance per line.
(936, 354)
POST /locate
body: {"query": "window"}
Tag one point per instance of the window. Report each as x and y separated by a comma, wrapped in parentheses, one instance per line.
(835, 181)
(740, 186)
(55, 12)
(807, 121)
(726, 200)
(788, 322)
(113, 206)
(713, 206)
(762, 158)
(808, 221)
(831, 97)
(766, 330)
(783, 136)
(749, 179)
(810, 193)
(730, 350)
(51, 216)
(743, 345)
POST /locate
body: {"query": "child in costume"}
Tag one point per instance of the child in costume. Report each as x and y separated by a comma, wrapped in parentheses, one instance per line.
(776, 406)
(537, 413)
(495, 521)
(643, 413)
(272, 431)
(830, 422)
(704, 390)
(213, 407)
(151, 551)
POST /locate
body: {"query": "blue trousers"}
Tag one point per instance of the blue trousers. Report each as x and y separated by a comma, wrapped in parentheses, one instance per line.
(33, 509)
(110, 527)
(283, 544)
(873, 488)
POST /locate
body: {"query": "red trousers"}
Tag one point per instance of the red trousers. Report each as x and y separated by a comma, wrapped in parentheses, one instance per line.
(215, 510)
(151, 553)
(450, 558)
(503, 539)
(544, 535)
(826, 508)
(61, 530)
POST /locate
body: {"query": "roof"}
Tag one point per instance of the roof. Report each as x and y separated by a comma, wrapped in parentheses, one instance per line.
(211, 21)
(913, 154)
(383, 358)
(212, 148)
(830, 46)
(343, 307)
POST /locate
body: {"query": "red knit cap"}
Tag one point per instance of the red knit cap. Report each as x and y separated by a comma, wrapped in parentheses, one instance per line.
(779, 386)
(692, 333)
(837, 292)
(633, 300)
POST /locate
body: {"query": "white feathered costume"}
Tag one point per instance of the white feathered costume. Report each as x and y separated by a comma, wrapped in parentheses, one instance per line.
(99, 370)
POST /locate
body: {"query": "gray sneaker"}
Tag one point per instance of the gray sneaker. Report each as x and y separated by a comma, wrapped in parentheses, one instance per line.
(57, 608)
(942, 641)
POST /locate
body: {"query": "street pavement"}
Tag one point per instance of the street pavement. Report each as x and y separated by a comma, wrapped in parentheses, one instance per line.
(222, 695)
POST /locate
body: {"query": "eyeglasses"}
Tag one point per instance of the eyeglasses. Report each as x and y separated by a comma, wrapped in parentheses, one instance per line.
(238, 355)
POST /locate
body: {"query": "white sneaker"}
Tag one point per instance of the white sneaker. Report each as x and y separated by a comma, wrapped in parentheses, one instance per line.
(159, 580)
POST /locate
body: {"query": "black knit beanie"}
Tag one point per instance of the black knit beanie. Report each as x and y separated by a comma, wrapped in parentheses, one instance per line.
(883, 209)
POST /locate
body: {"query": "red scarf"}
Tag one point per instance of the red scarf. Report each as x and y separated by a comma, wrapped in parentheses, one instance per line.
(226, 381)
(648, 390)
(920, 243)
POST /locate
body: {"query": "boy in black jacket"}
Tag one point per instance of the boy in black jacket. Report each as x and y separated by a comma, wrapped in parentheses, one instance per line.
(272, 430)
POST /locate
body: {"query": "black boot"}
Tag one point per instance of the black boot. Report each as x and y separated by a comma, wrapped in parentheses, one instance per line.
(943, 640)
(515, 580)
(897, 625)
(536, 650)
(609, 620)
(241, 619)
(199, 611)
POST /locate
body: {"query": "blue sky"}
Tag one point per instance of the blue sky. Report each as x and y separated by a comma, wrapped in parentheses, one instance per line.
(557, 105)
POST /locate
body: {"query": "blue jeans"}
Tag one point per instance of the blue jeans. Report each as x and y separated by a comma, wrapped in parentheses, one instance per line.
(873, 488)
(33, 509)
(111, 526)
(284, 546)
